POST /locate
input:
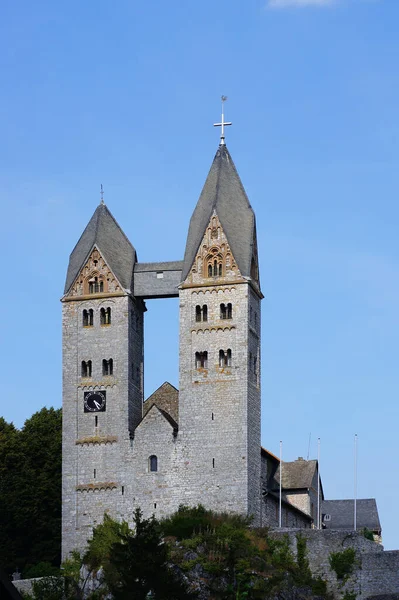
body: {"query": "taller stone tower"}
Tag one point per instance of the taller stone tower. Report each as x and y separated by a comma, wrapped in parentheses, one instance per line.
(219, 402)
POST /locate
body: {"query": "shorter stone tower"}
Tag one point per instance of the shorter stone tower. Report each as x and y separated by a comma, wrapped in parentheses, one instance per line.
(102, 375)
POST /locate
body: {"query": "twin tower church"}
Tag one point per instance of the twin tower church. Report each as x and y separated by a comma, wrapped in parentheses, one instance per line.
(198, 444)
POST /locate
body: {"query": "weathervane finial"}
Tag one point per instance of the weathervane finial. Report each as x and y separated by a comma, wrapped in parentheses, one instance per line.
(223, 123)
(102, 194)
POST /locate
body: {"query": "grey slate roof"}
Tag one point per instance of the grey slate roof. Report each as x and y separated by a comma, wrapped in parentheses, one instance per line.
(223, 192)
(157, 280)
(104, 232)
(166, 398)
(175, 265)
(296, 475)
(342, 514)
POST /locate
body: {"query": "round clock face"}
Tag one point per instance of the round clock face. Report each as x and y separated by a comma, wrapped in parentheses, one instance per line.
(94, 401)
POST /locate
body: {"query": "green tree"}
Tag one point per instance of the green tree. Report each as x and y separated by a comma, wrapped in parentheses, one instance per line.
(30, 491)
(139, 565)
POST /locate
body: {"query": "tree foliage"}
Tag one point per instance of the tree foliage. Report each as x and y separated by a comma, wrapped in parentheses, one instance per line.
(30, 491)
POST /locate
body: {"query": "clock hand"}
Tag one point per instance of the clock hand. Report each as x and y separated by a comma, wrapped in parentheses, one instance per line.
(97, 404)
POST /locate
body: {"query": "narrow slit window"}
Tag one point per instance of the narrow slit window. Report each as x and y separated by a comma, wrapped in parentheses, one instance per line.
(95, 421)
(223, 311)
(213, 462)
(205, 312)
(229, 311)
(228, 358)
(221, 358)
(94, 473)
(153, 463)
(123, 490)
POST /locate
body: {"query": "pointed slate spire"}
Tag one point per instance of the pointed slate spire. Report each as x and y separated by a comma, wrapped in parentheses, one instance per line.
(224, 193)
(104, 232)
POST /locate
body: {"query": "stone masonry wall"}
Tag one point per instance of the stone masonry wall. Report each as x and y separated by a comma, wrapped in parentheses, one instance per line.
(215, 424)
(95, 445)
(376, 572)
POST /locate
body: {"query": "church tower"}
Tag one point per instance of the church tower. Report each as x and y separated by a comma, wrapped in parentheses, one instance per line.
(219, 400)
(102, 376)
(200, 444)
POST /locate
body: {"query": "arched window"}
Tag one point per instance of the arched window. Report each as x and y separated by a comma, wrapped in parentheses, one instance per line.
(88, 318)
(224, 358)
(86, 368)
(95, 285)
(201, 360)
(226, 311)
(105, 316)
(201, 313)
(229, 311)
(213, 265)
(108, 367)
(153, 463)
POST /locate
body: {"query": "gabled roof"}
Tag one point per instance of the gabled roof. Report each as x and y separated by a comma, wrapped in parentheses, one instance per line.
(104, 232)
(224, 193)
(165, 415)
(296, 475)
(342, 514)
(166, 398)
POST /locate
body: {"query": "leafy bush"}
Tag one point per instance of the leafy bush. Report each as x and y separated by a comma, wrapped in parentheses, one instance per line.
(349, 596)
(368, 534)
(48, 588)
(343, 562)
(187, 521)
(42, 569)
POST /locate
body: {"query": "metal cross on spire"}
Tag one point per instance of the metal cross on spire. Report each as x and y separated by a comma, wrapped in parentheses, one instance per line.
(223, 123)
(102, 194)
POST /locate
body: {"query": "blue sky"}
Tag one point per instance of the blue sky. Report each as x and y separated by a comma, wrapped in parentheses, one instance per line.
(125, 94)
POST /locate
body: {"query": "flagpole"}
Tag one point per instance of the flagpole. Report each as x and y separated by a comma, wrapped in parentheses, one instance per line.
(281, 468)
(318, 483)
(355, 485)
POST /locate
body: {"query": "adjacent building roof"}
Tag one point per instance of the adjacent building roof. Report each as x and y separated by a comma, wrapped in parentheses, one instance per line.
(104, 232)
(297, 475)
(341, 513)
(224, 193)
(166, 398)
